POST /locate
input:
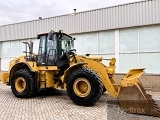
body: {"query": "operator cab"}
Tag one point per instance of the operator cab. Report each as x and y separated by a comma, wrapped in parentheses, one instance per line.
(54, 49)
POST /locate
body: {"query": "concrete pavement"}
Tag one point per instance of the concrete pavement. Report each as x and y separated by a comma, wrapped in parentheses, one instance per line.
(56, 105)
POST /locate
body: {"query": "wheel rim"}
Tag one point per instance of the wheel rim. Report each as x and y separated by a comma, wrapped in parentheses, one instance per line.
(20, 84)
(82, 87)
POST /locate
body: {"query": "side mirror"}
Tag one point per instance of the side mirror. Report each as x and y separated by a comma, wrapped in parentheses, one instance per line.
(50, 35)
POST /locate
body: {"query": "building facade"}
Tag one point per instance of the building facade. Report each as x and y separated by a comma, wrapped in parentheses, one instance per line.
(129, 32)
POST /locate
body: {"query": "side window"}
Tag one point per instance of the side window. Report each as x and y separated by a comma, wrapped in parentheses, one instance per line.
(42, 45)
(50, 47)
(42, 49)
(63, 45)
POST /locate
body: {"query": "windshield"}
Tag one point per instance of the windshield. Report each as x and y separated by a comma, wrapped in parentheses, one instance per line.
(67, 43)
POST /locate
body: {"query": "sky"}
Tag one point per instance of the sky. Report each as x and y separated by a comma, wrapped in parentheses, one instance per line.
(14, 11)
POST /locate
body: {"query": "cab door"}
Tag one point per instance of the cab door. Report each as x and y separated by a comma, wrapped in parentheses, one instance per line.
(47, 54)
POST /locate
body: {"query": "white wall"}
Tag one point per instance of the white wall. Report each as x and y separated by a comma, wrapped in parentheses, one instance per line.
(137, 47)
(96, 43)
(140, 47)
(12, 49)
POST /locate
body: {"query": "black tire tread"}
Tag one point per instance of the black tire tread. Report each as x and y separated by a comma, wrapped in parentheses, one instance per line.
(103, 88)
(98, 81)
(31, 91)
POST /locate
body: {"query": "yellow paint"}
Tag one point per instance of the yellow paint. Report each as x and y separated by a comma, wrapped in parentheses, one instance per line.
(5, 77)
(102, 71)
(82, 87)
(20, 84)
(92, 62)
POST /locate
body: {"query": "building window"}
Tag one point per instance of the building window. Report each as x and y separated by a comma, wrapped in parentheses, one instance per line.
(106, 42)
(86, 43)
(128, 49)
(150, 61)
(149, 45)
(106, 45)
(128, 40)
(149, 38)
(139, 48)
(12, 49)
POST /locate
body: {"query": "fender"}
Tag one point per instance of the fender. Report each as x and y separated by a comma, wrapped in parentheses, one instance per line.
(71, 69)
(18, 66)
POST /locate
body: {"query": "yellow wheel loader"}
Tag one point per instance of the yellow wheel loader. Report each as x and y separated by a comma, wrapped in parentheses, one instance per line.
(84, 77)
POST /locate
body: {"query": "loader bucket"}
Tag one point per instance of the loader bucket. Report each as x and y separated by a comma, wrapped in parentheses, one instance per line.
(133, 97)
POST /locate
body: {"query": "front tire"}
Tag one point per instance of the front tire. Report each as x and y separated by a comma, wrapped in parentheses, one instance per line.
(22, 84)
(84, 87)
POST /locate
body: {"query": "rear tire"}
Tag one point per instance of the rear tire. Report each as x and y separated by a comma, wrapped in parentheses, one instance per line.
(22, 84)
(84, 87)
